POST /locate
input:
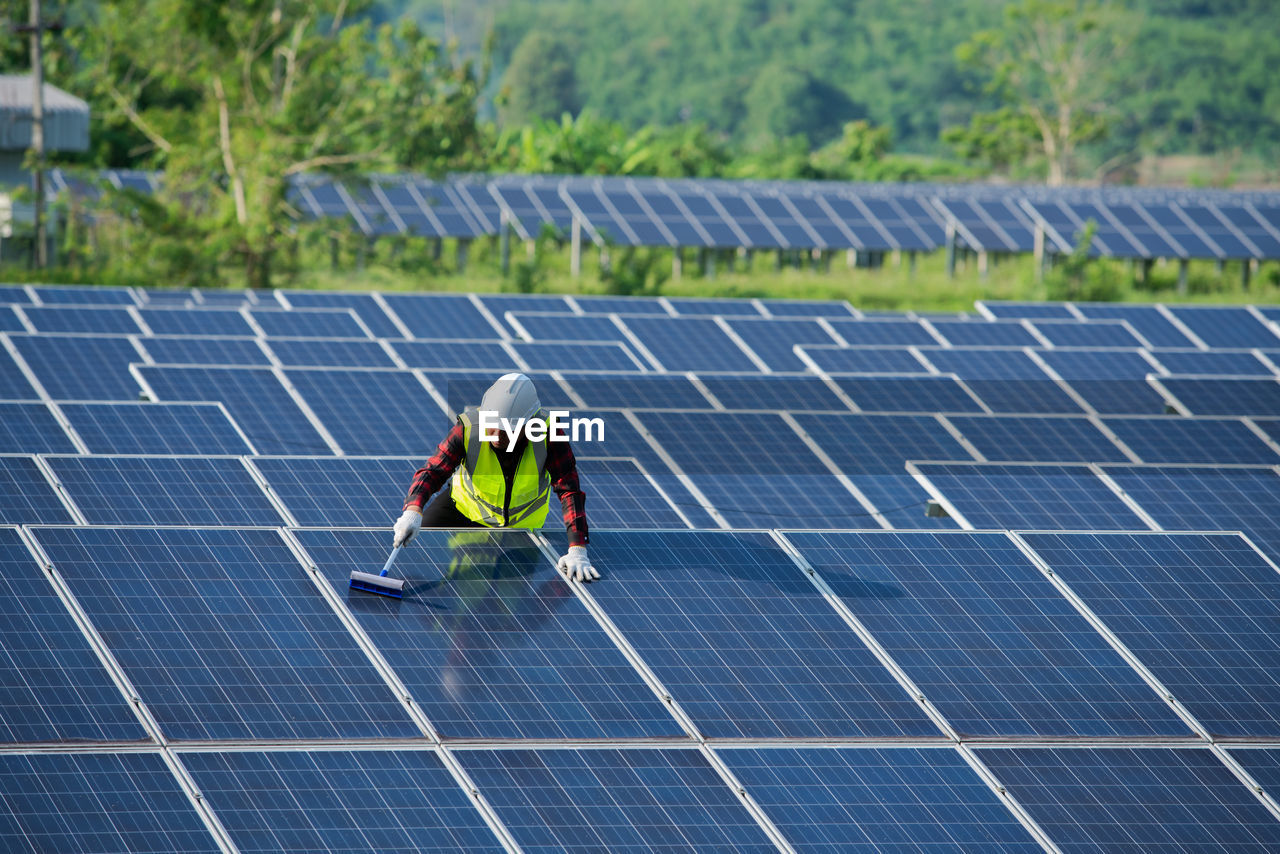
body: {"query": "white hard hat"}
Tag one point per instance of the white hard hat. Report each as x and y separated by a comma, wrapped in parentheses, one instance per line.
(512, 396)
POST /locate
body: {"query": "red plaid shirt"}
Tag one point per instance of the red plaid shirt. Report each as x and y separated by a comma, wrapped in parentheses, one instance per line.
(561, 467)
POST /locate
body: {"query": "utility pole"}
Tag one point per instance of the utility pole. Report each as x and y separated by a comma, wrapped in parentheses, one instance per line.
(37, 27)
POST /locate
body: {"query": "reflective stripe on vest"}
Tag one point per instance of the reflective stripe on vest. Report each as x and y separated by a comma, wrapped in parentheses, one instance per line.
(480, 489)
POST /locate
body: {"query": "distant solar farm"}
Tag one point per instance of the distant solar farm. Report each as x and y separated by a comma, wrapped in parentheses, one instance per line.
(1003, 580)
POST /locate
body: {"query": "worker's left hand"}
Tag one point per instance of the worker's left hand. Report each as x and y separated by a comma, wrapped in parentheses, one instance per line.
(577, 565)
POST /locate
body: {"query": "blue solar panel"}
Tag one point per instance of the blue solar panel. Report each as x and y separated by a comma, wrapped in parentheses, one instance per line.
(889, 393)
(1126, 799)
(81, 367)
(790, 393)
(352, 491)
(30, 428)
(1112, 381)
(328, 353)
(96, 321)
(13, 383)
(1225, 327)
(375, 800)
(87, 295)
(1007, 380)
(455, 354)
(196, 321)
(1008, 438)
(621, 305)
(880, 444)
(9, 321)
(15, 294)
(109, 803)
(877, 799)
(1192, 440)
(1213, 363)
(254, 397)
(981, 333)
(489, 639)
(988, 640)
(884, 333)
(26, 496)
(640, 391)
(578, 355)
(772, 340)
(620, 497)
(1146, 319)
(308, 323)
(364, 305)
(205, 351)
(164, 491)
(373, 412)
(743, 641)
(500, 303)
(153, 428)
(225, 297)
(1225, 396)
(629, 800)
(687, 306)
(690, 344)
(1043, 497)
(1199, 610)
(569, 327)
(863, 360)
(1029, 310)
(806, 308)
(1098, 333)
(440, 316)
(56, 689)
(1262, 764)
(223, 634)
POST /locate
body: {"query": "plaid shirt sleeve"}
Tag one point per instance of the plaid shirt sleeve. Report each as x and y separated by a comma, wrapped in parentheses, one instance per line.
(563, 469)
(428, 479)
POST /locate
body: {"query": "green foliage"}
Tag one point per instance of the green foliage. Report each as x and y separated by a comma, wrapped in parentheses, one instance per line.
(1002, 140)
(540, 82)
(785, 101)
(1077, 277)
(635, 272)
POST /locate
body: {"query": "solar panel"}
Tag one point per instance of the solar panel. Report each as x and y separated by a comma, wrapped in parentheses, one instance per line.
(1043, 497)
(196, 321)
(894, 393)
(628, 799)
(978, 333)
(884, 333)
(1146, 319)
(56, 689)
(1111, 381)
(454, 354)
(226, 297)
(308, 323)
(364, 305)
(153, 428)
(111, 803)
(690, 306)
(746, 645)
(223, 634)
(13, 383)
(164, 491)
(622, 305)
(1097, 333)
(772, 340)
(690, 344)
(620, 496)
(989, 641)
(1225, 327)
(1007, 380)
(1262, 764)
(330, 353)
(339, 800)
(205, 351)
(857, 360)
(84, 295)
(568, 327)
(26, 496)
(489, 639)
(93, 321)
(641, 391)
(254, 397)
(30, 428)
(14, 294)
(1006, 438)
(1192, 440)
(500, 303)
(1212, 362)
(807, 308)
(373, 412)
(80, 367)
(1226, 395)
(789, 392)
(440, 316)
(578, 355)
(1029, 310)
(340, 491)
(877, 799)
(1134, 799)
(9, 321)
(1199, 610)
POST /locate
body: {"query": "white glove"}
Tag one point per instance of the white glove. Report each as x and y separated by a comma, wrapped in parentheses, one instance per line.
(577, 565)
(409, 523)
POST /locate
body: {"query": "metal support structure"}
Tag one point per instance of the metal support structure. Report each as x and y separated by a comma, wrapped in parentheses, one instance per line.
(911, 262)
(437, 249)
(1245, 266)
(1184, 267)
(463, 246)
(984, 269)
(575, 248)
(1039, 252)
(777, 261)
(504, 243)
(951, 249)
(748, 256)
(334, 252)
(851, 258)
(40, 255)
(677, 262)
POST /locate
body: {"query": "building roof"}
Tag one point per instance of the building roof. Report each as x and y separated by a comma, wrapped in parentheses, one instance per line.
(66, 119)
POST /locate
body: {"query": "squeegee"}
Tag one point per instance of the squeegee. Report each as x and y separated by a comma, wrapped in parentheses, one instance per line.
(380, 583)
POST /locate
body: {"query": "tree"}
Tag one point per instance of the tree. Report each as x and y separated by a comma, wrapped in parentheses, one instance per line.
(540, 82)
(1049, 61)
(784, 101)
(1000, 139)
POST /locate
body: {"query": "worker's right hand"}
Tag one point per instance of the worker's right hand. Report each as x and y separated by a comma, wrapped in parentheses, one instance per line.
(409, 523)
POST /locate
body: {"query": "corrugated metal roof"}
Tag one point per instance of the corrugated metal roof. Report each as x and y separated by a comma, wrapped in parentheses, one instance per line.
(66, 117)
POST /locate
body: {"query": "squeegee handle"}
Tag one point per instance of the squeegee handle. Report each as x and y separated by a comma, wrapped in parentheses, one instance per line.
(390, 560)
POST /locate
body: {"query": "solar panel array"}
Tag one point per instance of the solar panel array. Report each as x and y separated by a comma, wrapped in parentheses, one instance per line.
(994, 582)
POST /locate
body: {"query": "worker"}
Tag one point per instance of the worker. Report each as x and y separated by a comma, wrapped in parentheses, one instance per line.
(500, 480)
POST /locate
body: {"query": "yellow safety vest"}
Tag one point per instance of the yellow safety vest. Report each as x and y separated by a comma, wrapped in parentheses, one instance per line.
(480, 490)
